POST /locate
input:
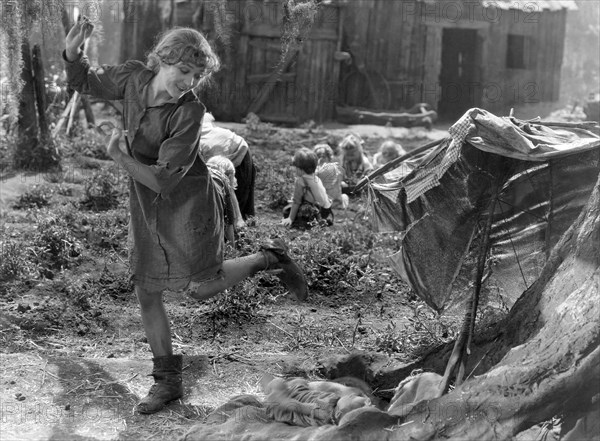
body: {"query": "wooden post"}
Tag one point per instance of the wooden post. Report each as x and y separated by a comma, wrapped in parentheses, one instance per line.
(63, 118)
(463, 342)
(73, 112)
(336, 63)
(87, 110)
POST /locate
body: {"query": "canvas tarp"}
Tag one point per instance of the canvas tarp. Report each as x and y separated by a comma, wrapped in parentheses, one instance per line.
(540, 176)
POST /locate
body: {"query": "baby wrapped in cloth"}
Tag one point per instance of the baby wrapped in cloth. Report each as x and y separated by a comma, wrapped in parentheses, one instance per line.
(305, 403)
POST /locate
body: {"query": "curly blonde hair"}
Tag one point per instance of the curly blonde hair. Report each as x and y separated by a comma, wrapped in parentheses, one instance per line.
(185, 45)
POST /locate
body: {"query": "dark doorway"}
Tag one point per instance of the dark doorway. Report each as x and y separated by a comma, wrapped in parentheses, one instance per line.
(459, 73)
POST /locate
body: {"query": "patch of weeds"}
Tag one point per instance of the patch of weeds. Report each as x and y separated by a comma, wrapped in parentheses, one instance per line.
(71, 304)
(237, 305)
(424, 331)
(101, 192)
(8, 140)
(304, 332)
(14, 262)
(310, 126)
(335, 261)
(39, 196)
(54, 246)
(255, 127)
(64, 190)
(36, 154)
(389, 341)
(107, 230)
(118, 286)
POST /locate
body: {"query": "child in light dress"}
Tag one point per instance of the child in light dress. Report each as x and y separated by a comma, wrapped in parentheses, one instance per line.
(222, 171)
(388, 151)
(354, 162)
(331, 175)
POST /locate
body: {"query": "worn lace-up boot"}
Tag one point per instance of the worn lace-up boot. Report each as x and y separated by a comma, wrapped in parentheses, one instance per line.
(282, 265)
(167, 385)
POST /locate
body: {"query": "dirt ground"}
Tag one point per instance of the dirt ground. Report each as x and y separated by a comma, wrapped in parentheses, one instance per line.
(76, 374)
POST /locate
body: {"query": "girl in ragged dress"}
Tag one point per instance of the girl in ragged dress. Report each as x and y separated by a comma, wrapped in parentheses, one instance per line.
(176, 221)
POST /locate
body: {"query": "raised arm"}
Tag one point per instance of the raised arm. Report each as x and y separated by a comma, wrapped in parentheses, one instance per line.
(79, 33)
(107, 82)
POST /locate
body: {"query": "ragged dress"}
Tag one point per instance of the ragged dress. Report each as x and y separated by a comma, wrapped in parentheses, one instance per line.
(176, 235)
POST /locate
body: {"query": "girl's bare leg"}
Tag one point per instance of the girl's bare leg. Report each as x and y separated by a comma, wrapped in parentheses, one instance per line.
(156, 322)
(235, 271)
(167, 368)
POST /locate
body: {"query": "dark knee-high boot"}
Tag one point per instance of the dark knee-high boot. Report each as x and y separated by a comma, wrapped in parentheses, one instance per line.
(167, 385)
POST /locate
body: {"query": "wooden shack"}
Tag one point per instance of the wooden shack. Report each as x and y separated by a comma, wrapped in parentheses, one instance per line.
(379, 54)
(453, 54)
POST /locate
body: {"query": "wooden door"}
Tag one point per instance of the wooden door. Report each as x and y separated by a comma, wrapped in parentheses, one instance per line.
(458, 75)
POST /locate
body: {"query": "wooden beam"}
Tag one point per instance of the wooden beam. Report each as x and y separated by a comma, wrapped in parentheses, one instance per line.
(259, 78)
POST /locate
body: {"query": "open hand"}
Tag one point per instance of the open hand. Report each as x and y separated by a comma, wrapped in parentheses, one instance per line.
(287, 222)
(80, 32)
(113, 148)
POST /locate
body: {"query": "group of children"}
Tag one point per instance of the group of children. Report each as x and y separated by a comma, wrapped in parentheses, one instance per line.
(322, 183)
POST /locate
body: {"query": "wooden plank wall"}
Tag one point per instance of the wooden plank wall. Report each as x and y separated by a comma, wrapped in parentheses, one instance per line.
(539, 81)
(387, 40)
(305, 91)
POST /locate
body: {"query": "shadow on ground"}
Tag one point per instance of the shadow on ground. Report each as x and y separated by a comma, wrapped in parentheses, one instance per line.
(59, 398)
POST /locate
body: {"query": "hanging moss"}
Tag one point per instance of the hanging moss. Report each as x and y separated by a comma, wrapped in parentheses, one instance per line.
(10, 46)
(25, 22)
(299, 16)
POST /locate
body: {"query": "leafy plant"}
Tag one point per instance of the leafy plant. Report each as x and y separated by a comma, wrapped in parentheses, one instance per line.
(38, 197)
(255, 127)
(101, 191)
(13, 261)
(54, 246)
(421, 332)
(85, 142)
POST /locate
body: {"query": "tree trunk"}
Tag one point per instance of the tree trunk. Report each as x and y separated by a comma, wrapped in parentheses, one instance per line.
(142, 22)
(27, 124)
(40, 90)
(544, 358)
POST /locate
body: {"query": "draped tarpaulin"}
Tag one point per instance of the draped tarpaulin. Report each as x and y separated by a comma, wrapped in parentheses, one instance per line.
(541, 176)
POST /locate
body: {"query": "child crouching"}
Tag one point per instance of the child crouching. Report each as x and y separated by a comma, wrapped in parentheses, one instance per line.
(222, 172)
(310, 202)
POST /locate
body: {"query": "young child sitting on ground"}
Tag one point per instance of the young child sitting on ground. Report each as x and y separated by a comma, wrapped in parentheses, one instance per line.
(223, 173)
(310, 403)
(310, 201)
(355, 163)
(331, 175)
(388, 151)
